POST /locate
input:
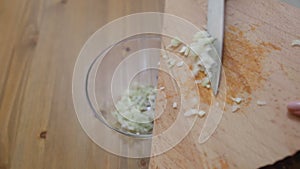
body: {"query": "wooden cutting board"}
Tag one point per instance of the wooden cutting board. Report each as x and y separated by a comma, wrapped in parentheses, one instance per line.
(259, 64)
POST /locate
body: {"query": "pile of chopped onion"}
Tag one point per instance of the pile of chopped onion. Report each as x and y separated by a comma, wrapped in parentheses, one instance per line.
(136, 109)
(199, 51)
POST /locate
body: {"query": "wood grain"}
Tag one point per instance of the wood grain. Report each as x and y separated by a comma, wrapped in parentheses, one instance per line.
(39, 43)
(259, 64)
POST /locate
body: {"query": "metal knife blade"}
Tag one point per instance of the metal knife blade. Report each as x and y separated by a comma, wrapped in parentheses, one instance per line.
(215, 27)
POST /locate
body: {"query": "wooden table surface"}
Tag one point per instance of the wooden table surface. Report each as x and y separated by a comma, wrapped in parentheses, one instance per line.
(39, 43)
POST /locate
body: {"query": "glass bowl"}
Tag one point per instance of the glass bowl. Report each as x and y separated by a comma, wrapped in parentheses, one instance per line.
(120, 67)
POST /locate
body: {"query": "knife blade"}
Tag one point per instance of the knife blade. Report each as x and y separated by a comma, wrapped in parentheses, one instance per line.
(215, 27)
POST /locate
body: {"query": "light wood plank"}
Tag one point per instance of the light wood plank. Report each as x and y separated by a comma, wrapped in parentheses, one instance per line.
(40, 41)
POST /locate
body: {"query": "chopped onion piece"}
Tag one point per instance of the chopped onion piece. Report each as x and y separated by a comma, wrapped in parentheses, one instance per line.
(237, 100)
(205, 81)
(235, 108)
(192, 112)
(187, 51)
(198, 81)
(159, 89)
(171, 62)
(201, 113)
(174, 105)
(195, 69)
(165, 56)
(261, 103)
(179, 64)
(296, 43)
(200, 35)
(175, 43)
(182, 50)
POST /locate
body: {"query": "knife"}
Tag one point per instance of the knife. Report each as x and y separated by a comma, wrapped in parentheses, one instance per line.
(215, 27)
